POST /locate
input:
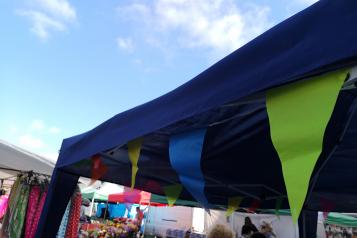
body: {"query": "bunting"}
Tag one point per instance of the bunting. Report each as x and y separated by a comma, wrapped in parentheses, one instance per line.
(98, 168)
(298, 116)
(185, 156)
(326, 206)
(278, 204)
(254, 206)
(233, 205)
(134, 148)
(172, 193)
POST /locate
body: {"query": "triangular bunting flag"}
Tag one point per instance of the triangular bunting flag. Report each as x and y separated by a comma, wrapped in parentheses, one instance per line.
(172, 193)
(98, 168)
(134, 148)
(326, 206)
(278, 204)
(298, 115)
(233, 205)
(185, 157)
(255, 205)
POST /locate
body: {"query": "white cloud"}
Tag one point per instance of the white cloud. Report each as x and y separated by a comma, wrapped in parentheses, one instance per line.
(48, 16)
(125, 44)
(60, 8)
(54, 130)
(38, 125)
(218, 25)
(31, 142)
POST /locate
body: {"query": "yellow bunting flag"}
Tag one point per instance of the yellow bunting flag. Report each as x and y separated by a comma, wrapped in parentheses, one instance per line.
(134, 148)
(298, 115)
(233, 205)
(172, 193)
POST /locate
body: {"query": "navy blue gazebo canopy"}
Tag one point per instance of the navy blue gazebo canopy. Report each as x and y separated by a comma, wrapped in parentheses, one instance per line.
(228, 98)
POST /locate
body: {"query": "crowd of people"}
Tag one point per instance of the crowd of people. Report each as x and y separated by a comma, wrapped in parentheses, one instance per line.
(249, 230)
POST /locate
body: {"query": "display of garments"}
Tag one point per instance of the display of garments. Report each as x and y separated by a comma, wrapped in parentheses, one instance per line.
(62, 229)
(36, 217)
(31, 208)
(24, 206)
(17, 221)
(3, 205)
(13, 204)
(75, 212)
(12, 201)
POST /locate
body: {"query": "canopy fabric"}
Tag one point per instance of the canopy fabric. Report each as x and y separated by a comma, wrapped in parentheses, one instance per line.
(94, 195)
(16, 159)
(238, 157)
(341, 219)
(157, 199)
(102, 193)
(131, 196)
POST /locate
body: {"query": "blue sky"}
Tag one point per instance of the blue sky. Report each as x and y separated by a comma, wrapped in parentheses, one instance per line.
(66, 66)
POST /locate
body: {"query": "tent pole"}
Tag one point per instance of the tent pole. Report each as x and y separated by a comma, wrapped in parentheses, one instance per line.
(91, 206)
(105, 212)
(146, 220)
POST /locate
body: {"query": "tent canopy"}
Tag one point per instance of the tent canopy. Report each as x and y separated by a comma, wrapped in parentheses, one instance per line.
(238, 157)
(131, 196)
(341, 219)
(16, 159)
(102, 192)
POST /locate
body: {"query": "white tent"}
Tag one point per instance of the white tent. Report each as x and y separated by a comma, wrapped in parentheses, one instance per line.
(14, 159)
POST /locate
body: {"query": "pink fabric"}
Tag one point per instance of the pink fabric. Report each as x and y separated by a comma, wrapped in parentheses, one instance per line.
(73, 220)
(3, 205)
(36, 218)
(31, 209)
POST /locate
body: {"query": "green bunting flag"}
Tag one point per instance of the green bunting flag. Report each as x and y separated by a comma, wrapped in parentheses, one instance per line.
(278, 203)
(134, 147)
(298, 115)
(233, 205)
(172, 193)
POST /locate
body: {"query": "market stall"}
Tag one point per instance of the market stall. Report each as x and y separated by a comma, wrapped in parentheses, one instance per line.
(340, 225)
(235, 135)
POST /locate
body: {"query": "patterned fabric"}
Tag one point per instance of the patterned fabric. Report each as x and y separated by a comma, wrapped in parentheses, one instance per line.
(62, 229)
(31, 209)
(75, 212)
(18, 218)
(12, 198)
(37, 215)
(3, 205)
(24, 207)
(13, 208)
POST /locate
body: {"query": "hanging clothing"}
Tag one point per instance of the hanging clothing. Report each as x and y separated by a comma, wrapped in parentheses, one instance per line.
(24, 206)
(75, 212)
(31, 208)
(36, 217)
(11, 202)
(17, 221)
(3, 205)
(62, 229)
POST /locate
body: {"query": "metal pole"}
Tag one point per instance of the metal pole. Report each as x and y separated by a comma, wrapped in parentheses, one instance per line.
(105, 212)
(91, 206)
(146, 220)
